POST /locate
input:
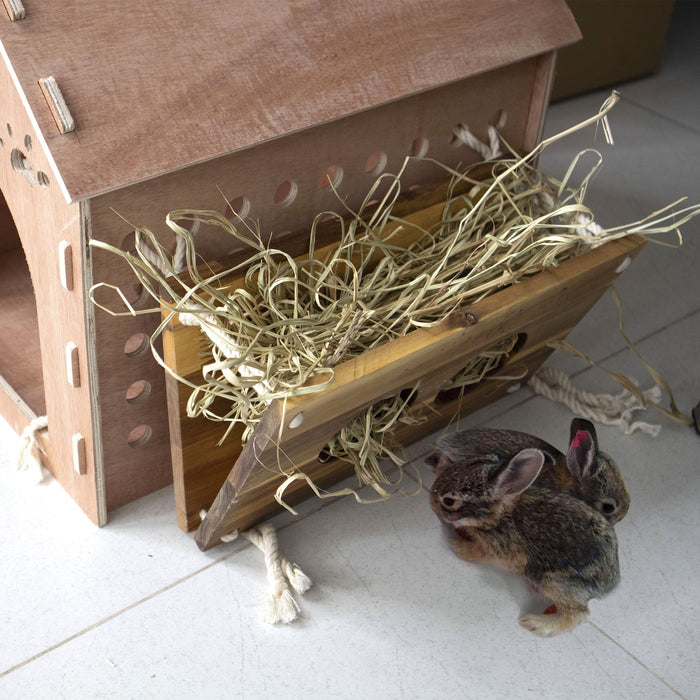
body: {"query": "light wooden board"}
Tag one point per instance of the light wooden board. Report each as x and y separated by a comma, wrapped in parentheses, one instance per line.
(157, 88)
(545, 306)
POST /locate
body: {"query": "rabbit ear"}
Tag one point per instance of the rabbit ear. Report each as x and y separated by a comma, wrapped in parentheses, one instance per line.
(581, 455)
(438, 461)
(582, 424)
(519, 473)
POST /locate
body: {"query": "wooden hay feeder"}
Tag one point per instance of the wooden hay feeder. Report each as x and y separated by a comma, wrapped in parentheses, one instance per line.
(112, 116)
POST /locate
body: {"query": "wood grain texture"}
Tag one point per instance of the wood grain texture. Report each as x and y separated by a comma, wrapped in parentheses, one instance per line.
(137, 78)
(184, 347)
(542, 307)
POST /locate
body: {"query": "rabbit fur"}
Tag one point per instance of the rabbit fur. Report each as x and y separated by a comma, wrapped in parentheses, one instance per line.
(584, 471)
(565, 548)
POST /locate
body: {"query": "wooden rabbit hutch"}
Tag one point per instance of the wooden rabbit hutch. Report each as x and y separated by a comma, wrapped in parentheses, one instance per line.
(114, 114)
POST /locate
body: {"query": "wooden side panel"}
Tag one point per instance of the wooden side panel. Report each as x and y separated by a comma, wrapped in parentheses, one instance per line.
(33, 337)
(156, 89)
(542, 307)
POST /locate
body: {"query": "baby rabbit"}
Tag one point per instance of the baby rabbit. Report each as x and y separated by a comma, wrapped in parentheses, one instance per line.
(584, 472)
(561, 545)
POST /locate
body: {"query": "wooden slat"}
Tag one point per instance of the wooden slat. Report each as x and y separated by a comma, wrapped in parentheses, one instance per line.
(158, 88)
(184, 347)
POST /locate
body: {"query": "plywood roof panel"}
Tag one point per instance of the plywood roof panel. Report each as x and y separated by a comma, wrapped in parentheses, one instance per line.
(154, 87)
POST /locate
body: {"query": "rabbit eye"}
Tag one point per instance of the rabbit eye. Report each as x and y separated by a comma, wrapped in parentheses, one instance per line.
(450, 502)
(607, 507)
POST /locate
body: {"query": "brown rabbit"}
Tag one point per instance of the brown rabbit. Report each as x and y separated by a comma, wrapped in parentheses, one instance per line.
(561, 545)
(584, 472)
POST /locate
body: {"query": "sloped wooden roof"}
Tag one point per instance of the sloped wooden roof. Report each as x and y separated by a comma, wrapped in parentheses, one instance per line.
(156, 86)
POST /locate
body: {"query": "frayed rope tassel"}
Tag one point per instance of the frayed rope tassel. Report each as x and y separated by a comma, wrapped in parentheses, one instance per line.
(611, 409)
(281, 606)
(30, 450)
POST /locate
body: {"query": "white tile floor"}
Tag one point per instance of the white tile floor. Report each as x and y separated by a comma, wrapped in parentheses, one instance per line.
(136, 611)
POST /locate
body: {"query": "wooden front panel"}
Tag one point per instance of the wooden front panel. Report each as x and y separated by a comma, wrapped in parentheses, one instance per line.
(520, 90)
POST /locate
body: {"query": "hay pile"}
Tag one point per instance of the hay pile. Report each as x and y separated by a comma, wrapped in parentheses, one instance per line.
(282, 331)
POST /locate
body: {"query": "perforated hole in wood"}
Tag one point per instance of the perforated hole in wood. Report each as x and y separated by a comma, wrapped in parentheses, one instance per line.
(135, 294)
(408, 395)
(455, 141)
(498, 119)
(238, 208)
(286, 193)
(9, 130)
(139, 391)
(485, 366)
(20, 164)
(332, 176)
(419, 147)
(136, 345)
(376, 163)
(28, 142)
(43, 179)
(139, 436)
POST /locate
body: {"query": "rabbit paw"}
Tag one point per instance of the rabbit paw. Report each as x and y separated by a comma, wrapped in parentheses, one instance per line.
(539, 624)
(552, 621)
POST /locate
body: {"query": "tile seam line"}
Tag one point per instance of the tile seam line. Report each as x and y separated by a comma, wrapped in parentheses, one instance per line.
(141, 601)
(116, 614)
(661, 115)
(637, 659)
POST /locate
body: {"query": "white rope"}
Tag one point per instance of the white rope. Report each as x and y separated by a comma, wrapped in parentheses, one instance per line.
(590, 230)
(281, 606)
(210, 326)
(179, 261)
(30, 450)
(611, 409)
(488, 151)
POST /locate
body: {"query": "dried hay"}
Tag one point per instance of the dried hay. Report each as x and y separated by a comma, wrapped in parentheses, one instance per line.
(282, 331)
